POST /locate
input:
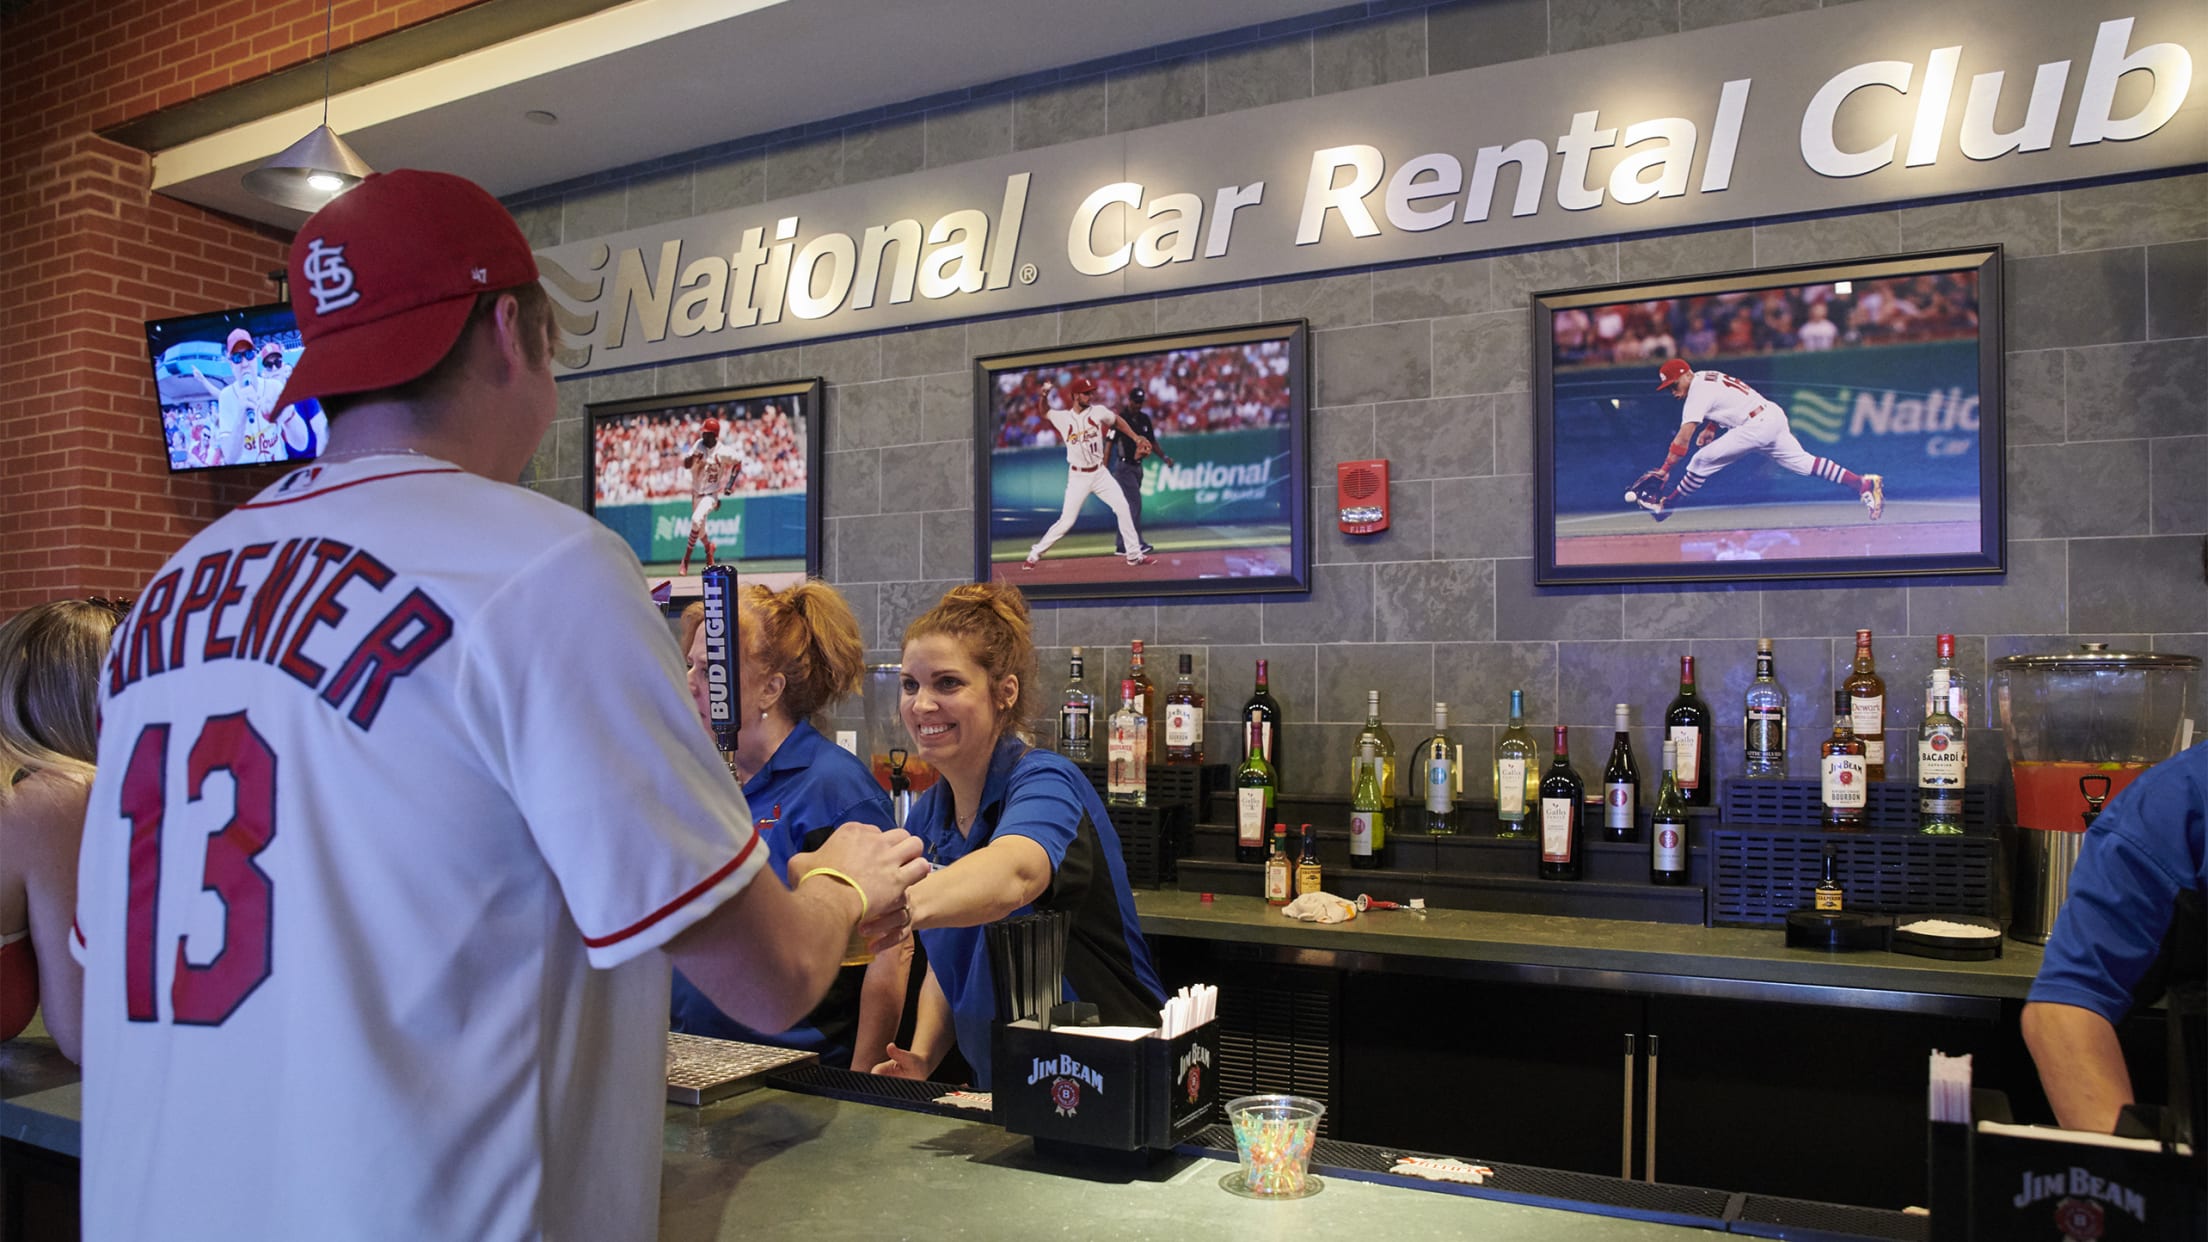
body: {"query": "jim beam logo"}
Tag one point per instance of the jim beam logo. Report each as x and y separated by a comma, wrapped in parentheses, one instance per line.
(1066, 1076)
(2083, 1199)
(1191, 1071)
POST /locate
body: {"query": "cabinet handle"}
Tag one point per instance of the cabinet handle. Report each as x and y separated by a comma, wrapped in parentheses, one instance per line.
(1648, 1173)
(1625, 1117)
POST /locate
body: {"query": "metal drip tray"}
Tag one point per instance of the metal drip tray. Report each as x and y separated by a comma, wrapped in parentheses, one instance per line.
(701, 1070)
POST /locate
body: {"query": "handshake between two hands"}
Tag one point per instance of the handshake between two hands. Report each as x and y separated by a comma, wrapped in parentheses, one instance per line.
(881, 865)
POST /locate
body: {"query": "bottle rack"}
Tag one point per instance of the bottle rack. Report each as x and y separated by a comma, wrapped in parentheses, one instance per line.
(1760, 875)
(1800, 804)
(1153, 837)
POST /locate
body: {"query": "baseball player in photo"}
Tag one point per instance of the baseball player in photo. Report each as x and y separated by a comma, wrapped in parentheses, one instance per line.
(1126, 462)
(1750, 424)
(241, 404)
(712, 466)
(1085, 429)
(403, 811)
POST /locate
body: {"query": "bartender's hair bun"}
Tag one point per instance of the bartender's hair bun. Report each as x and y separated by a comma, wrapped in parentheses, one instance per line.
(806, 633)
(990, 620)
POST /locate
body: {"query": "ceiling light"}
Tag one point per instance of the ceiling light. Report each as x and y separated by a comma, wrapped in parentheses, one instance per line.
(310, 172)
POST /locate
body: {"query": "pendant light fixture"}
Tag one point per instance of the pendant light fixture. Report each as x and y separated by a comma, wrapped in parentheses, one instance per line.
(317, 168)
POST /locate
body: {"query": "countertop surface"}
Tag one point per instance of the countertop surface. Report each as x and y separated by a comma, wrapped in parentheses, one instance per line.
(1755, 955)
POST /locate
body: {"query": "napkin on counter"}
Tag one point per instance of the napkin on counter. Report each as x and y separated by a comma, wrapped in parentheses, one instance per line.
(1320, 908)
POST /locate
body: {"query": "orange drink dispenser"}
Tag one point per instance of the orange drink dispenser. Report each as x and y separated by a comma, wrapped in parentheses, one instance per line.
(2079, 725)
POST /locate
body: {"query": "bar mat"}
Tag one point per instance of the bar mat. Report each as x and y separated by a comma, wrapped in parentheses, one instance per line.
(843, 1084)
(701, 1070)
(1762, 1216)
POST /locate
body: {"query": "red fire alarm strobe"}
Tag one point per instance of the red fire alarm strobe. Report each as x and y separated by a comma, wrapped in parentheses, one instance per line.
(1362, 487)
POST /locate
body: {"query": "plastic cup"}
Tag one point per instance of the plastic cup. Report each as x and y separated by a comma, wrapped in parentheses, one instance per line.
(1273, 1135)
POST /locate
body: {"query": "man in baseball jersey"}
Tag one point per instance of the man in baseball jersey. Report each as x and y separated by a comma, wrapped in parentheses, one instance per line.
(1750, 424)
(712, 466)
(405, 808)
(1084, 429)
(242, 406)
(1126, 462)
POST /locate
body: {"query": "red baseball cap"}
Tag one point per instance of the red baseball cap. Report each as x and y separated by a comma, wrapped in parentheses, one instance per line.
(1672, 369)
(384, 277)
(1082, 385)
(238, 336)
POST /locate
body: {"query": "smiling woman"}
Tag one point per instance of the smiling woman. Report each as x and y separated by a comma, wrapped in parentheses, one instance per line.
(1011, 829)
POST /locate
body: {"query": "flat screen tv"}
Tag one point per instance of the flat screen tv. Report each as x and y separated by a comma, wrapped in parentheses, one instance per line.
(753, 493)
(1842, 419)
(1220, 506)
(217, 376)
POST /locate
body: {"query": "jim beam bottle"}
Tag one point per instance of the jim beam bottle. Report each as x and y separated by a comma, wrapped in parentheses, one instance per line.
(1184, 718)
(1844, 775)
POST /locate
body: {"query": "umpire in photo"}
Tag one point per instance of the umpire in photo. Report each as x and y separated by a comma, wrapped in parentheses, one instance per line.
(1126, 467)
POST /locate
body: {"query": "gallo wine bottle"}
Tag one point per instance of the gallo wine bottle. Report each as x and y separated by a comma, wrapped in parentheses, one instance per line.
(1562, 804)
(1687, 724)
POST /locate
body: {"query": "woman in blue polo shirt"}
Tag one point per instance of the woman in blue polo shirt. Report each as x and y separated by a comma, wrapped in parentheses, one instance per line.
(800, 652)
(1012, 829)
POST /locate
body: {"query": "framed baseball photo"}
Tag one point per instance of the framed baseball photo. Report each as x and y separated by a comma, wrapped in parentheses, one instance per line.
(1170, 465)
(1837, 420)
(713, 478)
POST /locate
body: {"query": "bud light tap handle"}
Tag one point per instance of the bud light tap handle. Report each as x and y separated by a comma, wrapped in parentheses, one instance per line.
(721, 668)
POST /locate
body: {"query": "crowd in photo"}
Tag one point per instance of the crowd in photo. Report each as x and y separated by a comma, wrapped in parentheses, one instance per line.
(640, 455)
(1771, 321)
(1214, 388)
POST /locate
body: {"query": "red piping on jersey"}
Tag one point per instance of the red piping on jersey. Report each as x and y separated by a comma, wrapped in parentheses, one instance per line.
(78, 932)
(600, 942)
(373, 478)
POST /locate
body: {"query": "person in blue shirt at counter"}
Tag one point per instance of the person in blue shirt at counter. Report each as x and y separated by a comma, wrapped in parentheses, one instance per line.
(799, 653)
(1011, 828)
(2145, 857)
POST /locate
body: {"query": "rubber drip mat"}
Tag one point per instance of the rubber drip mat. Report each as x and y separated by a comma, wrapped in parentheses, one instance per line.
(1763, 1216)
(842, 1084)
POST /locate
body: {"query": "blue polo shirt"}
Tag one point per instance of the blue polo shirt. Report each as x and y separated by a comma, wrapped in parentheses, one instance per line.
(1042, 796)
(2149, 845)
(809, 787)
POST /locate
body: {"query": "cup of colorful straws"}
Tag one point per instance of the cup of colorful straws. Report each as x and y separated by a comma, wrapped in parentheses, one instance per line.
(1273, 1135)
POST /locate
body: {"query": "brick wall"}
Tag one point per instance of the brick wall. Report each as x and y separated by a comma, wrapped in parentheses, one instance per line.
(89, 252)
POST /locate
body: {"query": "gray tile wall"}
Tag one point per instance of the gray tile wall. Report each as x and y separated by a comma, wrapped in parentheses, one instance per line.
(1429, 366)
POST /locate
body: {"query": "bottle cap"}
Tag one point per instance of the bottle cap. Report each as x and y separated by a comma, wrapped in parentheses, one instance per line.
(1840, 702)
(1187, 662)
(1763, 646)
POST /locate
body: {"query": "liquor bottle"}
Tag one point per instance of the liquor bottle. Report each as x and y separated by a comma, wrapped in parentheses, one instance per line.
(1867, 705)
(1940, 765)
(1687, 724)
(1845, 773)
(1829, 894)
(1261, 706)
(1127, 780)
(1254, 791)
(1076, 714)
(1561, 808)
(1763, 720)
(1441, 775)
(1368, 817)
(1308, 879)
(1184, 718)
(1667, 827)
(1280, 873)
(1517, 779)
(1376, 736)
(1621, 784)
(1958, 689)
(1148, 705)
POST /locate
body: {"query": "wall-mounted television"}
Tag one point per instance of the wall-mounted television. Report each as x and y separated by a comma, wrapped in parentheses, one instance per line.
(217, 376)
(1841, 419)
(728, 477)
(1220, 506)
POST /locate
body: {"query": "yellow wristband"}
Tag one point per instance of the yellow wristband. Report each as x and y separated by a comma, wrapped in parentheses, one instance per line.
(834, 874)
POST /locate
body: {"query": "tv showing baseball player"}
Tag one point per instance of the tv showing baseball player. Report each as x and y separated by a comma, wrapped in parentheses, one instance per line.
(1828, 421)
(1163, 466)
(217, 377)
(713, 478)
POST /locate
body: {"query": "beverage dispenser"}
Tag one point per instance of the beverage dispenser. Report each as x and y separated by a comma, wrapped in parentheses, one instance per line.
(887, 749)
(2080, 726)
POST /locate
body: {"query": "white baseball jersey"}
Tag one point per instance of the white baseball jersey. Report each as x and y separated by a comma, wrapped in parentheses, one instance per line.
(368, 905)
(1721, 399)
(714, 467)
(1084, 432)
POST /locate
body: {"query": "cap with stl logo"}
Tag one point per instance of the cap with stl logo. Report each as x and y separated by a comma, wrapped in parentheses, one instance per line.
(1082, 385)
(383, 279)
(1672, 369)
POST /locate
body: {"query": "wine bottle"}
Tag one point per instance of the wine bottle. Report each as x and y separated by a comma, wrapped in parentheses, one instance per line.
(1517, 779)
(1127, 780)
(1667, 827)
(1368, 818)
(1940, 765)
(1261, 706)
(1254, 792)
(1621, 784)
(1280, 872)
(1844, 775)
(1687, 724)
(1184, 718)
(1867, 706)
(1383, 746)
(1561, 807)
(1763, 720)
(1308, 879)
(1441, 774)
(1076, 714)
